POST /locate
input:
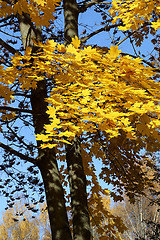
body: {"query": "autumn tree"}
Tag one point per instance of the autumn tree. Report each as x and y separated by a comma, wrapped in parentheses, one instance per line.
(141, 218)
(82, 103)
(19, 223)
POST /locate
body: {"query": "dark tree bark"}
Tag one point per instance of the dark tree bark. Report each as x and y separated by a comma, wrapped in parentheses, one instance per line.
(77, 181)
(54, 195)
(77, 178)
(46, 160)
(71, 12)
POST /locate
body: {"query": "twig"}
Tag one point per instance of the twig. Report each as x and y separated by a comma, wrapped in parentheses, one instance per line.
(124, 38)
(9, 34)
(143, 60)
(8, 47)
(106, 28)
(14, 109)
(19, 138)
(84, 7)
(18, 154)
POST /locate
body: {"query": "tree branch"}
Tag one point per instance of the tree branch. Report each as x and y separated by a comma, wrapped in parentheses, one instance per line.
(18, 154)
(106, 28)
(143, 60)
(19, 138)
(5, 19)
(13, 109)
(129, 35)
(8, 47)
(84, 7)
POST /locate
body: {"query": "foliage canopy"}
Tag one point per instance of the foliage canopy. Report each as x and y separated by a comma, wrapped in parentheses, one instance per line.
(99, 101)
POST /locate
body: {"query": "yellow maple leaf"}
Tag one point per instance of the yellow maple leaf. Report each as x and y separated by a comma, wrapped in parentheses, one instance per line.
(156, 25)
(40, 2)
(71, 49)
(114, 52)
(76, 42)
(61, 48)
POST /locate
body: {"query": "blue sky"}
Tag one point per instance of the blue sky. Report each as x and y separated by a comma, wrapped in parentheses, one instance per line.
(102, 39)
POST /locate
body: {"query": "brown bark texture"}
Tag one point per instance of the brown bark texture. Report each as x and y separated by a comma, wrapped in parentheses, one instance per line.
(77, 178)
(46, 159)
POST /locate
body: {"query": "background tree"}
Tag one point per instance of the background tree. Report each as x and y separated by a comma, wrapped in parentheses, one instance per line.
(141, 218)
(89, 116)
(17, 223)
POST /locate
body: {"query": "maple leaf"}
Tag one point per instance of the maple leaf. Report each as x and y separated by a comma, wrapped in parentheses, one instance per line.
(76, 42)
(113, 52)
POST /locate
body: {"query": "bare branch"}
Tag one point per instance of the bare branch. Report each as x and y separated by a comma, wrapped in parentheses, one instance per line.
(132, 33)
(84, 7)
(4, 19)
(14, 109)
(19, 138)
(129, 35)
(22, 94)
(106, 28)
(8, 47)
(18, 154)
(26, 122)
(9, 34)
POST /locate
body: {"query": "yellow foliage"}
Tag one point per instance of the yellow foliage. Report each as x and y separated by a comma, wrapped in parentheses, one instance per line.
(134, 13)
(76, 42)
(13, 227)
(33, 8)
(92, 91)
(17, 223)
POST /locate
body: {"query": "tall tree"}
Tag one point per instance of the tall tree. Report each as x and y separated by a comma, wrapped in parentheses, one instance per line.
(19, 223)
(141, 218)
(96, 101)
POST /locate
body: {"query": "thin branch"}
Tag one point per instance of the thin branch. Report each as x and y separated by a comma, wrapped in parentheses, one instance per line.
(5, 19)
(28, 123)
(106, 28)
(19, 138)
(84, 7)
(11, 175)
(143, 60)
(18, 154)
(132, 33)
(9, 48)
(13, 109)
(129, 35)
(22, 94)
(10, 34)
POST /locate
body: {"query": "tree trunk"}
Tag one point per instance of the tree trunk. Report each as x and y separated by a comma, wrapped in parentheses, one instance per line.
(77, 181)
(46, 160)
(71, 20)
(54, 196)
(77, 178)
